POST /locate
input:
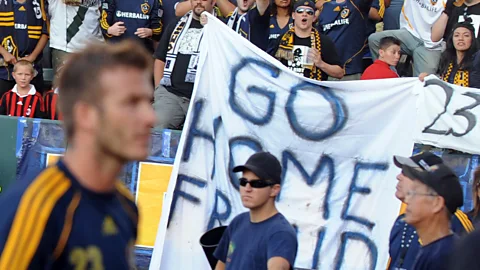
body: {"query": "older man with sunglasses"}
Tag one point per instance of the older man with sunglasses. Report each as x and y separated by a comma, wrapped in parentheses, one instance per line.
(306, 51)
(261, 238)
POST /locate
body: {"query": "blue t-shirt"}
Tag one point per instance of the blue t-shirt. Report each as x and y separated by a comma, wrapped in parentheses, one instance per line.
(405, 245)
(248, 245)
(435, 255)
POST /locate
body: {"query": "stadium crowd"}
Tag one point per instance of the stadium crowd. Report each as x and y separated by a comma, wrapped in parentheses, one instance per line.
(322, 40)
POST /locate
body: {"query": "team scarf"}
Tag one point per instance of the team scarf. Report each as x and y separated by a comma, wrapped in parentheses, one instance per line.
(232, 18)
(285, 49)
(461, 77)
(172, 51)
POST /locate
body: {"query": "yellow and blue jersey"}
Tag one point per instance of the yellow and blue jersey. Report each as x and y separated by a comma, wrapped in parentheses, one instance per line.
(345, 23)
(134, 14)
(21, 27)
(276, 32)
(52, 222)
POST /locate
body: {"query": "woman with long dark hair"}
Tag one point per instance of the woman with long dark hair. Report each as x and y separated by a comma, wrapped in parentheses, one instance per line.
(456, 61)
(280, 22)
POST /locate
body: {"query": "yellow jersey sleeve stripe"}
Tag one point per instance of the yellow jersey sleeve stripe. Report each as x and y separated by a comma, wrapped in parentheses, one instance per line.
(31, 218)
(466, 223)
(34, 36)
(38, 224)
(67, 226)
(32, 27)
(103, 21)
(4, 14)
(6, 19)
(20, 217)
(6, 23)
(34, 32)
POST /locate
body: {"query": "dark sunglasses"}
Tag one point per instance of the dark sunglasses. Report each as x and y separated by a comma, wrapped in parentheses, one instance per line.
(309, 11)
(255, 183)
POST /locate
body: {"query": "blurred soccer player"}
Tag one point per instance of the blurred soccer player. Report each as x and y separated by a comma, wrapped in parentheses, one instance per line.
(76, 214)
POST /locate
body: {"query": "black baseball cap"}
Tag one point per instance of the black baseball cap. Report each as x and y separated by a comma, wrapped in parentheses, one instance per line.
(422, 160)
(441, 179)
(264, 165)
(304, 3)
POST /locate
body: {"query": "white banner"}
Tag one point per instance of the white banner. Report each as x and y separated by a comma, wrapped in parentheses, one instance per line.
(447, 116)
(335, 141)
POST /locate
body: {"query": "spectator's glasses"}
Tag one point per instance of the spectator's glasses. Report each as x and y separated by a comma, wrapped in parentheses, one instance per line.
(309, 11)
(255, 183)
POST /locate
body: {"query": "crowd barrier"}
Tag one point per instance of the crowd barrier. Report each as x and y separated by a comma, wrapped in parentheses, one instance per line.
(29, 145)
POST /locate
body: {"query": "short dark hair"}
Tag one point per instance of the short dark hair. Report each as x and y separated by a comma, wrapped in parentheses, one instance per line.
(80, 77)
(388, 41)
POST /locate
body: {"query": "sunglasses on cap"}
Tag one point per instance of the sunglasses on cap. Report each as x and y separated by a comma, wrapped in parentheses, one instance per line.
(309, 11)
(255, 183)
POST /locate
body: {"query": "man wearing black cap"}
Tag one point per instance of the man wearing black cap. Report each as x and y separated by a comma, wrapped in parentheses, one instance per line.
(261, 238)
(306, 51)
(431, 201)
(404, 241)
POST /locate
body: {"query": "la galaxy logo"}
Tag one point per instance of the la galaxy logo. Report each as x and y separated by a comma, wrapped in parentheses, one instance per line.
(145, 8)
(345, 12)
(10, 46)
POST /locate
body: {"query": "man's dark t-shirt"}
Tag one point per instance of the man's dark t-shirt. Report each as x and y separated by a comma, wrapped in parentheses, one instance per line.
(435, 256)
(179, 87)
(248, 245)
(328, 53)
(472, 15)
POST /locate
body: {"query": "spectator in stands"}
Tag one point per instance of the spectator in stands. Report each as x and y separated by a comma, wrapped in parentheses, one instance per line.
(456, 61)
(24, 34)
(140, 20)
(281, 21)
(475, 76)
(391, 17)
(74, 24)
(389, 54)
(304, 50)
(404, 243)
(175, 68)
(416, 21)
(183, 7)
(262, 237)
(456, 12)
(234, 13)
(251, 23)
(51, 107)
(23, 100)
(345, 22)
(474, 214)
(169, 11)
(432, 199)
